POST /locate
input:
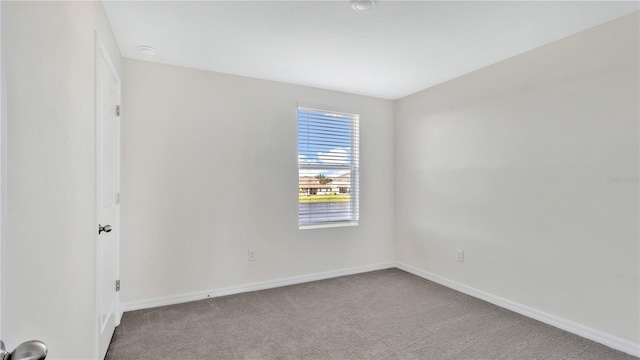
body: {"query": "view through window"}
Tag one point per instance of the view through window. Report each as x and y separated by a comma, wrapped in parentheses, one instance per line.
(328, 167)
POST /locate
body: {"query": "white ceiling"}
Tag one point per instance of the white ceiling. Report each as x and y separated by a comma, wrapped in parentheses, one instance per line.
(393, 50)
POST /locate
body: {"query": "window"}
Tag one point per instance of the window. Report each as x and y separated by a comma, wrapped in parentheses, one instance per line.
(328, 168)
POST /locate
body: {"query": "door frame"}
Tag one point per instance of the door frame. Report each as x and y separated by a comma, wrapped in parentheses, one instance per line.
(101, 51)
(3, 161)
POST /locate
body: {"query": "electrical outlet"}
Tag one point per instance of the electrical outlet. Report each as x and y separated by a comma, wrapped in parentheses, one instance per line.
(460, 255)
(252, 254)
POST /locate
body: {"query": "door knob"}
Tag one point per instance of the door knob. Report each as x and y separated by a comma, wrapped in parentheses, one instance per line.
(106, 228)
(3, 350)
(30, 350)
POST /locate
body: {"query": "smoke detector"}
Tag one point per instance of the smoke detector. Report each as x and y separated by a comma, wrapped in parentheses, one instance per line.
(148, 51)
(363, 5)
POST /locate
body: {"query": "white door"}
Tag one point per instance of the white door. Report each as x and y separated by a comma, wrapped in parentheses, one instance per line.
(107, 131)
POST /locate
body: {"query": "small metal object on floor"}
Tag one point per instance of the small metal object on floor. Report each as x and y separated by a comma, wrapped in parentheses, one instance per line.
(29, 350)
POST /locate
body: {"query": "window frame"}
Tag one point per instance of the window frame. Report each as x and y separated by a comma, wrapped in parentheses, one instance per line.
(353, 166)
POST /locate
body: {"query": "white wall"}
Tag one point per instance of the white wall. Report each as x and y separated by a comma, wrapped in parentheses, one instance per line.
(210, 170)
(48, 251)
(517, 165)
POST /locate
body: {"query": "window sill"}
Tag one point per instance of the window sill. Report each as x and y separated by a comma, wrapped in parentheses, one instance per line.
(327, 225)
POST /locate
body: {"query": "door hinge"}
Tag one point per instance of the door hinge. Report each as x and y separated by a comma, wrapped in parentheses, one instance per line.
(117, 285)
(117, 110)
(118, 198)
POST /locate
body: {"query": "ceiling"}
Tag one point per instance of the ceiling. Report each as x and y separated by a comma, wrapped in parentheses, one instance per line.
(393, 50)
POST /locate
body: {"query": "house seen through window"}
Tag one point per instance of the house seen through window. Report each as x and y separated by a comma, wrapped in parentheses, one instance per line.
(328, 168)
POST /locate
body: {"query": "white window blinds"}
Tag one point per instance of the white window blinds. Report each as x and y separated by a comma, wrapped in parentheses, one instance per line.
(328, 167)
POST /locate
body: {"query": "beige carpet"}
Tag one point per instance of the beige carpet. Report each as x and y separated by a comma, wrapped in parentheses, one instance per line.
(386, 314)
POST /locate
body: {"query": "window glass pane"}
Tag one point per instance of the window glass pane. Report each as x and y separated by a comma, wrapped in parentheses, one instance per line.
(325, 196)
(327, 163)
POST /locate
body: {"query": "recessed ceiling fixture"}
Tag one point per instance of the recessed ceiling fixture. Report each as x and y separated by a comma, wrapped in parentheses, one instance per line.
(148, 51)
(363, 5)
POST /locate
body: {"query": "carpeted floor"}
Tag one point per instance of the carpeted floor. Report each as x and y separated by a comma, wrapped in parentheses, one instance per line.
(387, 314)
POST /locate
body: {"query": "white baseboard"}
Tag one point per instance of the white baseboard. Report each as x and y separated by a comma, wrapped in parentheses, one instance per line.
(609, 340)
(199, 295)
